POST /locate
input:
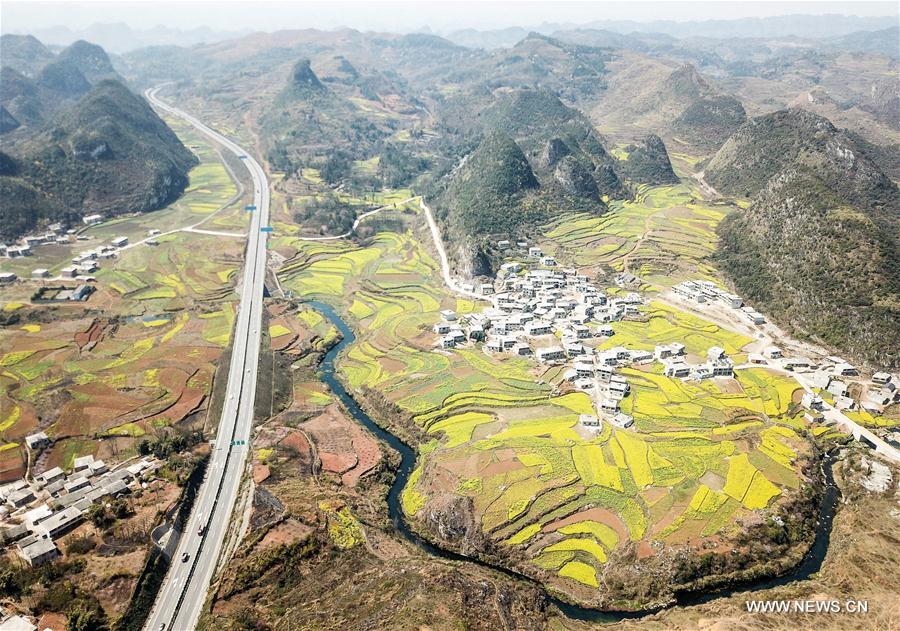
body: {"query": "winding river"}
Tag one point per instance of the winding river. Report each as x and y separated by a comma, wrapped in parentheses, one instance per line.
(810, 564)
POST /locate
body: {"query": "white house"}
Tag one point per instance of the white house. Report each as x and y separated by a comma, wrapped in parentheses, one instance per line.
(610, 406)
(538, 327)
(83, 463)
(584, 369)
(521, 349)
(618, 388)
(620, 419)
(812, 402)
(550, 354)
(494, 345)
(37, 440)
(604, 373)
(881, 378)
(589, 420)
(796, 363)
(845, 370)
(676, 369)
(641, 357)
(838, 388)
(756, 317)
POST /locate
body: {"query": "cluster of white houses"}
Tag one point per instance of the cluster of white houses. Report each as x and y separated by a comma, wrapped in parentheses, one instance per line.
(36, 513)
(554, 316)
(56, 234)
(83, 265)
(703, 291)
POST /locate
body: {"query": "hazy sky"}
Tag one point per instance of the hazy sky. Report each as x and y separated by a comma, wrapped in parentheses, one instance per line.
(20, 16)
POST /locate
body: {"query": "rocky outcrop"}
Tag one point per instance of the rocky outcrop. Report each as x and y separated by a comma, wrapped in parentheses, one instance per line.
(648, 162)
(8, 122)
(303, 79)
(818, 248)
(575, 179)
(109, 152)
(451, 519)
(554, 151)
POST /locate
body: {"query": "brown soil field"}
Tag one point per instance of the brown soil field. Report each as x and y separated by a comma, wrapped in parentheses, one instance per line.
(334, 444)
(285, 532)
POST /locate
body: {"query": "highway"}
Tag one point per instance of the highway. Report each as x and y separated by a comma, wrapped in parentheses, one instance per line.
(184, 590)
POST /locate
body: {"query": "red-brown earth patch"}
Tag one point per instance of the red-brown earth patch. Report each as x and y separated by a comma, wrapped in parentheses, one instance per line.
(286, 532)
(261, 473)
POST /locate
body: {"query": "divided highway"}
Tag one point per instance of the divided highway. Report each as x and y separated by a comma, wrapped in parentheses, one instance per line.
(183, 592)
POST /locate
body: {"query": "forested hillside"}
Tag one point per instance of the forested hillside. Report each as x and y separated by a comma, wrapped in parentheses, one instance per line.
(107, 153)
(819, 246)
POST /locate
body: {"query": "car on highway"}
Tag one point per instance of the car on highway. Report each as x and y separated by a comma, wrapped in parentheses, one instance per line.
(185, 557)
(201, 530)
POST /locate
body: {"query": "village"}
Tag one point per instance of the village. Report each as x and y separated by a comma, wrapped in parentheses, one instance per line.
(84, 264)
(33, 514)
(557, 316)
(828, 377)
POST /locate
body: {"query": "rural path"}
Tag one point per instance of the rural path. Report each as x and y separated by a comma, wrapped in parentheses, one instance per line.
(357, 222)
(184, 590)
(449, 281)
(216, 233)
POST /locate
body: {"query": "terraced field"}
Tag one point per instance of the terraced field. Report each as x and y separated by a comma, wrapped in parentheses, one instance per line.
(663, 236)
(568, 500)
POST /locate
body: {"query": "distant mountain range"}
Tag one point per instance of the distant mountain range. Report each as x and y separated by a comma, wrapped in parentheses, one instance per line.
(121, 38)
(802, 26)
